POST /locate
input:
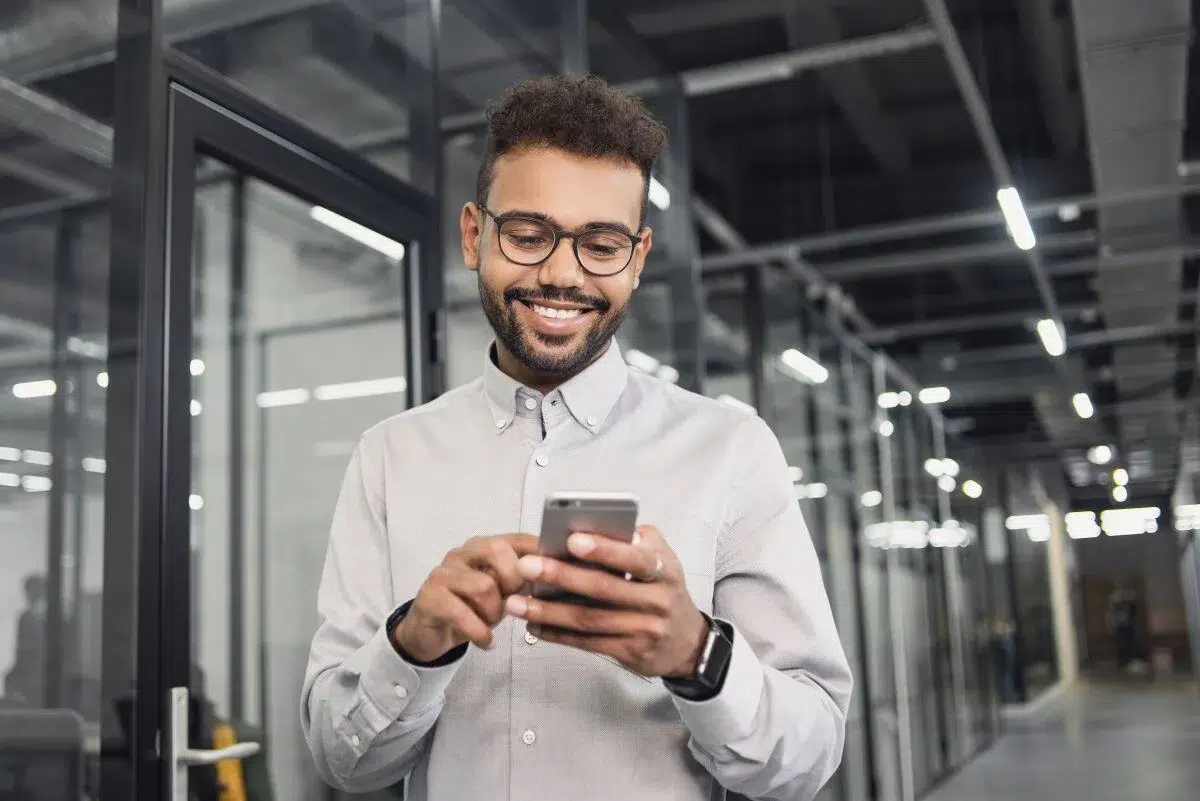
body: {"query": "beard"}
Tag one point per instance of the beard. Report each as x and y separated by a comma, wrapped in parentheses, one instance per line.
(523, 344)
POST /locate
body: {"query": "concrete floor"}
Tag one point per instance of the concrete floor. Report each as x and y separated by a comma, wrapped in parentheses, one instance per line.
(1100, 742)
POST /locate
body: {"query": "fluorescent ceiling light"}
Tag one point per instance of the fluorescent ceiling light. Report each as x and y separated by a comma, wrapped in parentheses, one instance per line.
(951, 534)
(34, 389)
(1021, 522)
(1120, 494)
(195, 503)
(8, 454)
(1121, 477)
(281, 397)
(887, 428)
(1083, 405)
(10, 480)
(658, 195)
(1051, 335)
(972, 488)
(195, 407)
(361, 389)
(1015, 218)
(804, 366)
(1081, 525)
(890, 400)
(196, 367)
(872, 498)
(1038, 533)
(817, 490)
(93, 465)
(796, 473)
(36, 484)
(933, 395)
(1187, 517)
(372, 239)
(934, 467)
(898, 534)
(1101, 454)
(950, 467)
(947, 483)
(43, 458)
(102, 380)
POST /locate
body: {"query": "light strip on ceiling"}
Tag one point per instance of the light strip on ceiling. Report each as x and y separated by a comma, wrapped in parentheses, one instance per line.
(1083, 405)
(1015, 218)
(931, 396)
(281, 397)
(658, 195)
(804, 367)
(34, 389)
(361, 389)
(360, 233)
(1051, 335)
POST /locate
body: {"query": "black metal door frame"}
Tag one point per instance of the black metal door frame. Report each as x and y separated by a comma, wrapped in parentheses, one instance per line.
(148, 624)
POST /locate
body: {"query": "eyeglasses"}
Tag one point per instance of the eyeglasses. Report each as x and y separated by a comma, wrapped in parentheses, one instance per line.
(529, 241)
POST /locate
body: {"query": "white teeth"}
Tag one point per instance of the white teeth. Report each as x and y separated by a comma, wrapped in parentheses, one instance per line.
(559, 314)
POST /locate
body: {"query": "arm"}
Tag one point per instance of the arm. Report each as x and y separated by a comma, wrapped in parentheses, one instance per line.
(366, 712)
(777, 727)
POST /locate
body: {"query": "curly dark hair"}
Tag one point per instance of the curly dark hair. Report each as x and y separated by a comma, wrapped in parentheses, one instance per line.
(584, 116)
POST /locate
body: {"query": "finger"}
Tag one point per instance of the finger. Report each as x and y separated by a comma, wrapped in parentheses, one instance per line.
(479, 590)
(451, 610)
(576, 617)
(637, 559)
(591, 582)
(499, 558)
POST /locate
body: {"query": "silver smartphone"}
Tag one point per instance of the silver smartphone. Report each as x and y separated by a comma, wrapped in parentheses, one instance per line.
(605, 514)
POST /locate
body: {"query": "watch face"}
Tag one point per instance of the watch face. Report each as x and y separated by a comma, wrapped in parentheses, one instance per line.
(716, 658)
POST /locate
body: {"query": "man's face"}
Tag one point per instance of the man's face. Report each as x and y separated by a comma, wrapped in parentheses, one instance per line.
(554, 318)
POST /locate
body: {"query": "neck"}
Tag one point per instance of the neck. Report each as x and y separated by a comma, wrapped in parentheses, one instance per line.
(545, 383)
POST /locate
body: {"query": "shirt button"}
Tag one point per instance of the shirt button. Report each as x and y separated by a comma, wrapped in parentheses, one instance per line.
(500, 421)
(530, 404)
(542, 460)
(529, 638)
(355, 740)
(591, 421)
(528, 737)
(400, 691)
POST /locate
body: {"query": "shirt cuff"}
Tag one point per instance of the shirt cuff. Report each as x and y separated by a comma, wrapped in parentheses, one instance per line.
(396, 687)
(729, 715)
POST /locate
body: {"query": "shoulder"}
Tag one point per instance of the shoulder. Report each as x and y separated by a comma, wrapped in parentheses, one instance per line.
(447, 410)
(720, 418)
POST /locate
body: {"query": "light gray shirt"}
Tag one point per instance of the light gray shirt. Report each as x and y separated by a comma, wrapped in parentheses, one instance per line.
(536, 721)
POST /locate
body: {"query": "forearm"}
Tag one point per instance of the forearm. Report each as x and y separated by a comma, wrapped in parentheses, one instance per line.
(769, 734)
(367, 720)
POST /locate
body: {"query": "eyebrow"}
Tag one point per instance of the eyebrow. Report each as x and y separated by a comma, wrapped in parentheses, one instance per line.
(588, 226)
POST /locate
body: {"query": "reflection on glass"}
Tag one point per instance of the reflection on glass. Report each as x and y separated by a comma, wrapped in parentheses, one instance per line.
(299, 349)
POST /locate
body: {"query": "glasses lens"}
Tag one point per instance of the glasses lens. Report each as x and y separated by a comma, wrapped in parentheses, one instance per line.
(605, 252)
(526, 241)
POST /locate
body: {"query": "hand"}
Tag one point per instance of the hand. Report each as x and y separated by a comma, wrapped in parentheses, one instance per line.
(653, 627)
(462, 600)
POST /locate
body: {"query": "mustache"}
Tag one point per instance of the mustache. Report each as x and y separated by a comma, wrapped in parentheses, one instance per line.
(569, 295)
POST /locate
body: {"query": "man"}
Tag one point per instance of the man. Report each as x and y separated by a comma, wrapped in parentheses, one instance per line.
(718, 663)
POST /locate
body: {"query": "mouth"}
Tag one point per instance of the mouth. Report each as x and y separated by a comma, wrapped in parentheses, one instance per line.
(555, 318)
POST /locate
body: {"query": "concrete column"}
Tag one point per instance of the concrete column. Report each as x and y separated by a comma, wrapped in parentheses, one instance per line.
(1066, 649)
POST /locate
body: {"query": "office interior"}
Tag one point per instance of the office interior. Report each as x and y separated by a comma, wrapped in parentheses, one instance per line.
(941, 247)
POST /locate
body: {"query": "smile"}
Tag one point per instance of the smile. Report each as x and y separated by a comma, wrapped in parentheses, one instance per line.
(556, 314)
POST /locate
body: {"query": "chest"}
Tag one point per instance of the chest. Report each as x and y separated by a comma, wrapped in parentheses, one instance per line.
(499, 486)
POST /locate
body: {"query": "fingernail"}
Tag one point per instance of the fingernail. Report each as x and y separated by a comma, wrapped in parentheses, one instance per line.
(581, 544)
(530, 567)
(516, 605)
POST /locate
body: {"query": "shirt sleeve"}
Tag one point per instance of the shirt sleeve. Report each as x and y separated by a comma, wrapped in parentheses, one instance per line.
(777, 728)
(366, 712)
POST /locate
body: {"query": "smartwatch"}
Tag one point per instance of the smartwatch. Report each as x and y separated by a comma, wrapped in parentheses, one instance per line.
(711, 667)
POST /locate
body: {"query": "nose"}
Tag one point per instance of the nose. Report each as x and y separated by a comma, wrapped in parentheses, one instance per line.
(561, 268)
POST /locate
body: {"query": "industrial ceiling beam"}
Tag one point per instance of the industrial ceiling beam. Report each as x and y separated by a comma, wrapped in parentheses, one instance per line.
(1089, 339)
(1043, 32)
(981, 118)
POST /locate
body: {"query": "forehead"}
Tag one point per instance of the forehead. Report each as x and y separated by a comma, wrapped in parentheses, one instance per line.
(574, 190)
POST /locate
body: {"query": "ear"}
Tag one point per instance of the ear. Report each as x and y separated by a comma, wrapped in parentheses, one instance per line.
(639, 254)
(470, 223)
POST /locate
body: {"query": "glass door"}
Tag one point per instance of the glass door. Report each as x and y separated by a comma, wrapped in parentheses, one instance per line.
(295, 321)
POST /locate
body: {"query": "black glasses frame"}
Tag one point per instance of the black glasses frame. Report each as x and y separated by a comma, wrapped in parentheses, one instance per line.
(560, 234)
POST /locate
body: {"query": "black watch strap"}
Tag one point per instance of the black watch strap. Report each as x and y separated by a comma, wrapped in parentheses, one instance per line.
(448, 658)
(713, 667)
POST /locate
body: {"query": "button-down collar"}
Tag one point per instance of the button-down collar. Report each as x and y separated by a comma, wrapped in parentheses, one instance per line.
(590, 396)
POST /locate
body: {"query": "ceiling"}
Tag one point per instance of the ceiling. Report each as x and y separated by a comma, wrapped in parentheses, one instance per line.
(857, 141)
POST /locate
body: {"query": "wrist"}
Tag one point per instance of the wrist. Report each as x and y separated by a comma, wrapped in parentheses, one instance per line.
(686, 670)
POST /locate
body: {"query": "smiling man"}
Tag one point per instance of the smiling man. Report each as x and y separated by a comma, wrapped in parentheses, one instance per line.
(713, 662)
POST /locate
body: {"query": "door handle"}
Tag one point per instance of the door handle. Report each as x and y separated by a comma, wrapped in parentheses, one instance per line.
(182, 757)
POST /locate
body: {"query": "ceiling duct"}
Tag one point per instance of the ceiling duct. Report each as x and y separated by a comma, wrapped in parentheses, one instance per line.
(1133, 60)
